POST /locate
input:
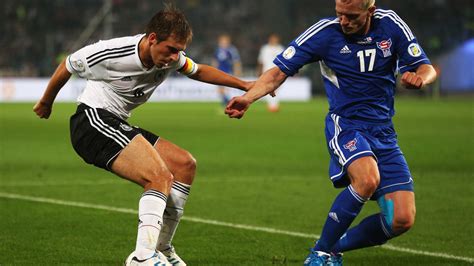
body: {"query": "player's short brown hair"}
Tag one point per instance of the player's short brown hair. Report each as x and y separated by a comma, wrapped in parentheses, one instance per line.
(170, 21)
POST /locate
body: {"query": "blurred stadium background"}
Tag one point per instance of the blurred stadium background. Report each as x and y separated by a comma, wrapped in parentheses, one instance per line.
(37, 34)
(256, 203)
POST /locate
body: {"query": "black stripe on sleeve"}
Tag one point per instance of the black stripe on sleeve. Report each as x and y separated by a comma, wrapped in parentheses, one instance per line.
(112, 49)
(110, 57)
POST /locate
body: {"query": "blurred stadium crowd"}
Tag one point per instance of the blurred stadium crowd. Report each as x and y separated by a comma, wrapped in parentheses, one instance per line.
(36, 34)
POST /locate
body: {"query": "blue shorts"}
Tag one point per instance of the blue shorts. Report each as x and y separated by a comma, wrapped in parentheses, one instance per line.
(349, 140)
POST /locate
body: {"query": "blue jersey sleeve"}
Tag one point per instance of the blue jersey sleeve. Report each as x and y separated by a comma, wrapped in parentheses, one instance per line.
(410, 54)
(307, 48)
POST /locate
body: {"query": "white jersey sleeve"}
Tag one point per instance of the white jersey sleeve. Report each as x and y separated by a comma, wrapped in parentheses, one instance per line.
(91, 62)
(77, 63)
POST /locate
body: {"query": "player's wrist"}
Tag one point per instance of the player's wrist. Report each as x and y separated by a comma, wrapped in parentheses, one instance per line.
(46, 103)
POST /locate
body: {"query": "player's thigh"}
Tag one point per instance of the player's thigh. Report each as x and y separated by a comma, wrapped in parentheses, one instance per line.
(364, 175)
(139, 162)
(404, 209)
(179, 161)
(348, 148)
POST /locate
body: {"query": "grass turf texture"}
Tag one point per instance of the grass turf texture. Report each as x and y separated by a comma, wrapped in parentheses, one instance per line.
(266, 170)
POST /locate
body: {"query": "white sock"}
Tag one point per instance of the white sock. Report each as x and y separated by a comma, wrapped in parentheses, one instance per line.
(150, 215)
(173, 213)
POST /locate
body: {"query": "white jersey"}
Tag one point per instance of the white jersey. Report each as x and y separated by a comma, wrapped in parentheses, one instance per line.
(267, 54)
(117, 81)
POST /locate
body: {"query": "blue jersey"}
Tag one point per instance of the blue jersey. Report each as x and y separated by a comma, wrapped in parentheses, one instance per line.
(358, 71)
(226, 57)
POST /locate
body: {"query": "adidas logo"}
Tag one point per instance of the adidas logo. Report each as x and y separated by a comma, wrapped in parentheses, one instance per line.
(345, 50)
(333, 216)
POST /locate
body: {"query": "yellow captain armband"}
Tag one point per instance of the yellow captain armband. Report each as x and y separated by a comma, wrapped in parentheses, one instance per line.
(189, 67)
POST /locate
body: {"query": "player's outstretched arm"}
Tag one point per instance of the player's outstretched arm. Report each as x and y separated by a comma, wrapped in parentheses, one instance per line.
(44, 106)
(215, 76)
(425, 74)
(267, 83)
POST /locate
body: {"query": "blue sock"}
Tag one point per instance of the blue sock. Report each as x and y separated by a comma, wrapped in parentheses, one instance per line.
(345, 208)
(370, 232)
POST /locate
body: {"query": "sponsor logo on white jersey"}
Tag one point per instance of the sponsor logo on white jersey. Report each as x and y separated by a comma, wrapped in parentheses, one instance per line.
(77, 65)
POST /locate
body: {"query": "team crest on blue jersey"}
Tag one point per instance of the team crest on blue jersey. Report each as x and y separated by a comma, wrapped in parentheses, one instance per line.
(385, 46)
(351, 145)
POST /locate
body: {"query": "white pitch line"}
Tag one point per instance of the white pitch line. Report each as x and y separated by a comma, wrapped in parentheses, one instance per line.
(219, 223)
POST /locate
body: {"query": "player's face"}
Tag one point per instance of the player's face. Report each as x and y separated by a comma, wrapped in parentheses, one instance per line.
(353, 19)
(273, 40)
(224, 41)
(165, 52)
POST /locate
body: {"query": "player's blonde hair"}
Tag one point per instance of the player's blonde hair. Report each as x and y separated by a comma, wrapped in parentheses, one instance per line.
(366, 4)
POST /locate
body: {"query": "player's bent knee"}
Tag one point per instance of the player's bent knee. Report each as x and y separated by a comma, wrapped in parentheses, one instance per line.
(367, 186)
(372, 183)
(154, 177)
(403, 223)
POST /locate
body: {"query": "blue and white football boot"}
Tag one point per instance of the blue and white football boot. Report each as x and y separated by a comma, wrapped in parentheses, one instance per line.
(317, 258)
(335, 259)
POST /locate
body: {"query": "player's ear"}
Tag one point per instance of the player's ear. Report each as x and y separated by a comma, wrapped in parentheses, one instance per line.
(152, 38)
(372, 10)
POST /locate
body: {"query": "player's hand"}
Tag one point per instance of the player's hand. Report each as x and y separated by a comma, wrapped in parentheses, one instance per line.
(43, 109)
(411, 81)
(236, 107)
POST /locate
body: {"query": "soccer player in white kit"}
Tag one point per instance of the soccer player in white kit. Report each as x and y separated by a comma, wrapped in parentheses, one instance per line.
(267, 54)
(122, 74)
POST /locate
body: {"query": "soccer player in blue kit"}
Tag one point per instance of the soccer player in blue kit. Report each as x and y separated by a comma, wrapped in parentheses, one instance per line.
(227, 59)
(360, 52)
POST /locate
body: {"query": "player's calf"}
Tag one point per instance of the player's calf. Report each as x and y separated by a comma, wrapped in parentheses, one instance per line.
(187, 169)
(179, 162)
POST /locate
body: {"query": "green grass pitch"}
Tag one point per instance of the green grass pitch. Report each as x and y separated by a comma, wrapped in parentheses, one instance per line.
(268, 170)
